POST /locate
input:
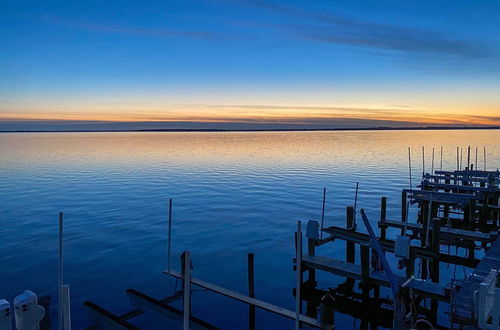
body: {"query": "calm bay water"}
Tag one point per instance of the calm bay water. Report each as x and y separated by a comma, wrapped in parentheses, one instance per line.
(234, 193)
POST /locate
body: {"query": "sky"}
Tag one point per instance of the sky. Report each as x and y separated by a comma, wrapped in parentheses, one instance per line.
(247, 64)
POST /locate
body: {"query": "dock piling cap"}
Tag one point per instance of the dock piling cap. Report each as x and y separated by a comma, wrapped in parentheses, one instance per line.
(27, 311)
(4, 304)
(27, 298)
(5, 315)
(4, 307)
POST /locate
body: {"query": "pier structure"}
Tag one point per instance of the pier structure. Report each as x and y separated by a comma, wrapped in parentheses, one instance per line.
(457, 224)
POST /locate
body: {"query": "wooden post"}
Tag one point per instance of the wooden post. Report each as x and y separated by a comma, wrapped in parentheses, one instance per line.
(66, 303)
(427, 220)
(169, 233)
(298, 303)
(327, 309)
(423, 162)
(251, 292)
(323, 213)
(441, 167)
(425, 212)
(61, 271)
(468, 160)
(311, 250)
(365, 270)
(404, 211)
(350, 249)
(484, 158)
(410, 266)
(383, 217)
(436, 244)
(186, 276)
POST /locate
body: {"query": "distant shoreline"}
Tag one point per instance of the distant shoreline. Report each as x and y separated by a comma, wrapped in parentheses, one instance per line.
(423, 128)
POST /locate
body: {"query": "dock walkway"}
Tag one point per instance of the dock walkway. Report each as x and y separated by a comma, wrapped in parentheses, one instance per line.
(351, 270)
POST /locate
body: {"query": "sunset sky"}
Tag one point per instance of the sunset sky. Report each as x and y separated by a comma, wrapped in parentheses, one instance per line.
(248, 64)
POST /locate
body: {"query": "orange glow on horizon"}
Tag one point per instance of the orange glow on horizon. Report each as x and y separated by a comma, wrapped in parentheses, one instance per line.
(260, 114)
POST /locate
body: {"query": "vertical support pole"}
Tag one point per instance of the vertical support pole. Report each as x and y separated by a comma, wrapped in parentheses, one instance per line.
(441, 167)
(468, 159)
(383, 217)
(365, 270)
(311, 250)
(298, 303)
(187, 288)
(410, 266)
(251, 292)
(404, 210)
(323, 213)
(350, 252)
(436, 244)
(427, 225)
(169, 233)
(67, 310)
(423, 162)
(484, 157)
(477, 165)
(61, 270)
(355, 206)
(461, 154)
(432, 163)
(425, 212)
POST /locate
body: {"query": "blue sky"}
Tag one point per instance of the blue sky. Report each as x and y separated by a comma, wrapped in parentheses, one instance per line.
(281, 62)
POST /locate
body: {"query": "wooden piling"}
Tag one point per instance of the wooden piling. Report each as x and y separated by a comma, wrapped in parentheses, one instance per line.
(323, 212)
(436, 244)
(365, 270)
(169, 252)
(404, 211)
(383, 216)
(410, 263)
(298, 302)
(186, 256)
(311, 251)
(251, 292)
(350, 252)
(61, 272)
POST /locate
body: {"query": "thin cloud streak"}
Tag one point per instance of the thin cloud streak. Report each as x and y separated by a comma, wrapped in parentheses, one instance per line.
(132, 30)
(343, 30)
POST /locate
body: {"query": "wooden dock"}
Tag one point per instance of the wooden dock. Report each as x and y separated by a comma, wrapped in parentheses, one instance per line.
(455, 209)
(353, 271)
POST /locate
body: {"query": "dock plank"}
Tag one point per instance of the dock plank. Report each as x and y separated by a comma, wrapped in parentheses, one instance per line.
(446, 232)
(350, 270)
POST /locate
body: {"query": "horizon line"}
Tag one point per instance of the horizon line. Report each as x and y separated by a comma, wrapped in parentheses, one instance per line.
(259, 130)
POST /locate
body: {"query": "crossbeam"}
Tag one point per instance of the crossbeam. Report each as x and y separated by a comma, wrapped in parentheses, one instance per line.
(252, 301)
